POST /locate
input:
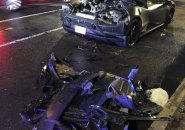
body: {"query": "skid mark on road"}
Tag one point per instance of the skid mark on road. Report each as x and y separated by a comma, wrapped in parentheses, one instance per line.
(30, 37)
(27, 16)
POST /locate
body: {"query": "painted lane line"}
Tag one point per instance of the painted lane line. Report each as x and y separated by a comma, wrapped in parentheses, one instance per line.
(30, 37)
(27, 16)
(7, 29)
(10, 28)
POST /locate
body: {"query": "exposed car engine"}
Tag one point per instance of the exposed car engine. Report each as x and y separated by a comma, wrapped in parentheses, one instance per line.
(105, 10)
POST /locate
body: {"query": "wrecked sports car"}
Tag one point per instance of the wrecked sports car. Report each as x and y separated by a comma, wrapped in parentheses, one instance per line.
(88, 101)
(117, 21)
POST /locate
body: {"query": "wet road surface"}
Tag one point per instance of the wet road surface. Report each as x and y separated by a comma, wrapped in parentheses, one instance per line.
(27, 42)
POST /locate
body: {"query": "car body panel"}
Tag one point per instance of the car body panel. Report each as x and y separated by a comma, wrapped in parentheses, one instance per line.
(111, 32)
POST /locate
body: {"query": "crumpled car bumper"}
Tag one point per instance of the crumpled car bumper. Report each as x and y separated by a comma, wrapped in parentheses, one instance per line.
(111, 33)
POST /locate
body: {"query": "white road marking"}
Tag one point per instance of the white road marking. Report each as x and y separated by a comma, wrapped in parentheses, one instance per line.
(29, 37)
(27, 16)
(6, 29)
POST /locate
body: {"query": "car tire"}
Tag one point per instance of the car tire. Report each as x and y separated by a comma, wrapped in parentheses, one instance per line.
(170, 15)
(133, 32)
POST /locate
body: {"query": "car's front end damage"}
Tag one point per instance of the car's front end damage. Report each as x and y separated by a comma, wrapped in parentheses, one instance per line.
(103, 20)
(84, 100)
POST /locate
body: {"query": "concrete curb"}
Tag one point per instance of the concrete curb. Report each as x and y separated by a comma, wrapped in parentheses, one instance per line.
(170, 108)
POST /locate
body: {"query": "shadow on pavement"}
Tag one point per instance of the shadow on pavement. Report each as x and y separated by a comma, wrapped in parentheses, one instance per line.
(174, 73)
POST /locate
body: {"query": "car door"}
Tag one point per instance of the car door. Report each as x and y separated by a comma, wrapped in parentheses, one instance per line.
(156, 11)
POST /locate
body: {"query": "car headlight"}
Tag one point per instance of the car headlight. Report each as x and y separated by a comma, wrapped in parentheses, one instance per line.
(66, 1)
(67, 9)
(13, 4)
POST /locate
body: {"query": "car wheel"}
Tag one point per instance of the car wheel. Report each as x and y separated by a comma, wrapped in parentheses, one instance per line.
(133, 33)
(12, 5)
(170, 16)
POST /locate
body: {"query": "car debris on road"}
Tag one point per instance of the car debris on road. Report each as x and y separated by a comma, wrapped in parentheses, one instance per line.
(86, 100)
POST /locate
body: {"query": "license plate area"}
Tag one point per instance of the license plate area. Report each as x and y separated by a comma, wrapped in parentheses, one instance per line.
(79, 29)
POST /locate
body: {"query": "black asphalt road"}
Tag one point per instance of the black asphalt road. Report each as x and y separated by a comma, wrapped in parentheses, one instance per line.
(25, 47)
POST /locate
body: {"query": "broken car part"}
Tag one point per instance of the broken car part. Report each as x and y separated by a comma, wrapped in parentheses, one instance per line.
(85, 100)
